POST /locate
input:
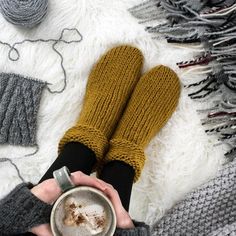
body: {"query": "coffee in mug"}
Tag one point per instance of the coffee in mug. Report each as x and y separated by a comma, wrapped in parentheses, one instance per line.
(82, 211)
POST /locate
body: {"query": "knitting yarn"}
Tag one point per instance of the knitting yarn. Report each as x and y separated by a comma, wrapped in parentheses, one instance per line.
(14, 54)
(26, 13)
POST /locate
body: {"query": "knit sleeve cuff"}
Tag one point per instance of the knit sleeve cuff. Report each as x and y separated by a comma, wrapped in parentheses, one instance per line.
(141, 229)
(21, 210)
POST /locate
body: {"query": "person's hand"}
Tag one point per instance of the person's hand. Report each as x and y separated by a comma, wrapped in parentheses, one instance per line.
(48, 191)
(123, 218)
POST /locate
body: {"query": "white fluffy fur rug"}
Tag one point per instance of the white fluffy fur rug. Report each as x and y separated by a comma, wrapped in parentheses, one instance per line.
(179, 158)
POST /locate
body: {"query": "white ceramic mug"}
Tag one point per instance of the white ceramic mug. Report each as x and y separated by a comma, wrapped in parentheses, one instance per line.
(81, 210)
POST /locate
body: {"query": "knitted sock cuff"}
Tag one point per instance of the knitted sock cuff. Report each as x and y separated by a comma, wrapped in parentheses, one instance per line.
(89, 136)
(130, 153)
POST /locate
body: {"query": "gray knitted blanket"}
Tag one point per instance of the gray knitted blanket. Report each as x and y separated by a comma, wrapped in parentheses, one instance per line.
(209, 210)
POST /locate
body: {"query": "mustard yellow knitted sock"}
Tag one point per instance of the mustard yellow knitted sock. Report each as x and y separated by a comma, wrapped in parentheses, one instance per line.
(152, 103)
(109, 86)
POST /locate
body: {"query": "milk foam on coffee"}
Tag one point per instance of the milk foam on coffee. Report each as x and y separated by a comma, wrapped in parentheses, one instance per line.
(92, 216)
(82, 214)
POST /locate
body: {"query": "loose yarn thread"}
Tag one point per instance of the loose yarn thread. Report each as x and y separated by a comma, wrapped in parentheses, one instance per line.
(14, 54)
(27, 13)
(15, 166)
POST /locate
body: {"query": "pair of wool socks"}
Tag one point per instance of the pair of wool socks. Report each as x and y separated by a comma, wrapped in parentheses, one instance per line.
(123, 111)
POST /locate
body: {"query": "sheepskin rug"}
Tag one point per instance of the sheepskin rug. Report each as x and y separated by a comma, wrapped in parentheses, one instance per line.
(179, 158)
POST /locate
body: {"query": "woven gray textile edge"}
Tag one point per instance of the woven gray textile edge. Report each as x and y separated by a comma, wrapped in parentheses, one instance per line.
(209, 210)
(19, 103)
(209, 26)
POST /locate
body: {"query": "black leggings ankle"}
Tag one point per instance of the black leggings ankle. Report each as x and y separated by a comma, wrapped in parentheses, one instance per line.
(77, 156)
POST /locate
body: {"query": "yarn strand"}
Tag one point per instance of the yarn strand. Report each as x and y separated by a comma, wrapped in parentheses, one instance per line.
(14, 54)
(15, 166)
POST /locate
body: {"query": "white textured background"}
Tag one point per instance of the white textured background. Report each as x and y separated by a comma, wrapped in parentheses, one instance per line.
(179, 158)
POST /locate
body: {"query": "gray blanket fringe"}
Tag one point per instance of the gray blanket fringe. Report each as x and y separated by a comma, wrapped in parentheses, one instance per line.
(211, 23)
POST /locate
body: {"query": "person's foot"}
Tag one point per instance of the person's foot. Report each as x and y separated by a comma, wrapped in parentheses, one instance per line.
(152, 103)
(109, 87)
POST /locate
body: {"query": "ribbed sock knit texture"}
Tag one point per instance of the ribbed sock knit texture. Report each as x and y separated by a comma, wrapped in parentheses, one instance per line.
(109, 86)
(152, 103)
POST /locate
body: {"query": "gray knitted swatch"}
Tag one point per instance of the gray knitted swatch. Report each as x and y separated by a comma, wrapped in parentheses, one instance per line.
(19, 103)
(209, 210)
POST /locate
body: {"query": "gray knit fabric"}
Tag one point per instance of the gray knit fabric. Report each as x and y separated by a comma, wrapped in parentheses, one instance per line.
(210, 210)
(227, 230)
(19, 104)
(141, 229)
(21, 210)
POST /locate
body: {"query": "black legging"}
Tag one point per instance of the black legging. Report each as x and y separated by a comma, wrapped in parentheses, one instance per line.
(77, 156)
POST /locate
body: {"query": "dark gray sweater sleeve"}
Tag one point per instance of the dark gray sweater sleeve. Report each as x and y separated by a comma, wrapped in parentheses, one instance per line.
(20, 210)
(141, 229)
